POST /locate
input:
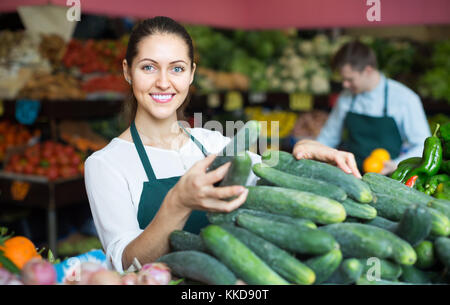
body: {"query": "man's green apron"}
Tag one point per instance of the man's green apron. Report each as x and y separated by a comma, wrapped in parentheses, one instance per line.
(155, 190)
(366, 133)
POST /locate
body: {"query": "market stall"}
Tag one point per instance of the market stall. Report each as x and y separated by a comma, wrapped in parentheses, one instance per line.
(305, 222)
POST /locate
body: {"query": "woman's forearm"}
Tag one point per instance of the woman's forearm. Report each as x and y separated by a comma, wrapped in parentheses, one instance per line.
(153, 242)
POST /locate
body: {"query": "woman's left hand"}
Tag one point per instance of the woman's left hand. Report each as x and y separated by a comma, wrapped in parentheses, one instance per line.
(310, 149)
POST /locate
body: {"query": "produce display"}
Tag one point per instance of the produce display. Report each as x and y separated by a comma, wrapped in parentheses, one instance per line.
(49, 159)
(285, 120)
(291, 230)
(14, 135)
(430, 173)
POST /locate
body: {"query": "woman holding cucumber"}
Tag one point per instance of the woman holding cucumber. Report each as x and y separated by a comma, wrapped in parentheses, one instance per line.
(153, 179)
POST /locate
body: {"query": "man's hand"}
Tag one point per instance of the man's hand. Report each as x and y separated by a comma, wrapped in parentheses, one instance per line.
(309, 149)
(389, 167)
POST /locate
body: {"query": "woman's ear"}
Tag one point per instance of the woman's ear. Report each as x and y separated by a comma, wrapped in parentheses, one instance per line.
(126, 73)
(194, 66)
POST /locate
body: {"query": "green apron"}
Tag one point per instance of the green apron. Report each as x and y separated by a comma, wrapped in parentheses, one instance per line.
(154, 190)
(366, 133)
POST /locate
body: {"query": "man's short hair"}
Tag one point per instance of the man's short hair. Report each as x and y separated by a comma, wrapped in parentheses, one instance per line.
(356, 54)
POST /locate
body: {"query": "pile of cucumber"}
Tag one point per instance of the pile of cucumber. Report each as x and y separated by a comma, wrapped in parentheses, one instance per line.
(307, 222)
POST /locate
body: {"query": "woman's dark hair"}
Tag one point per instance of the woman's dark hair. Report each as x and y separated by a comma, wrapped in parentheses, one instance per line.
(356, 54)
(145, 28)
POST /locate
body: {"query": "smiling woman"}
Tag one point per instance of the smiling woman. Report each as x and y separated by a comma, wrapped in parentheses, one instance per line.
(152, 179)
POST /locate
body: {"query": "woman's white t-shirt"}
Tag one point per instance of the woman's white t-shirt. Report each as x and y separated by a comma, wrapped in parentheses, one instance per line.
(114, 178)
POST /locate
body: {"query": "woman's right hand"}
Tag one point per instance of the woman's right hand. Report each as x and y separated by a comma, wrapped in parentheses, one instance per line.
(195, 190)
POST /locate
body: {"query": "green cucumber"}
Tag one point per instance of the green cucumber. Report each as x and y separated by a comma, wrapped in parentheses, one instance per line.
(425, 255)
(198, 266)
(291, 237)
(182, 240)
(387, 270)
(239, 171)
(279, 260)
(325, 265)
(361, 211)
(286, 162)
(362, 241)
(393, 208)
(284, 201)
(442, 247)
(411, 274)
(262, 181)
(364, 281)
(282, 179)
(244, 139)
(243, 262)
(348, 272)
(415, 224)
(441, 205)
(217, 218)
(383, 223)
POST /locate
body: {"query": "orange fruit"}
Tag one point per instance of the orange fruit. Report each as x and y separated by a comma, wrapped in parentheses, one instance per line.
(19, 250)
(372, 165)
(381, 154)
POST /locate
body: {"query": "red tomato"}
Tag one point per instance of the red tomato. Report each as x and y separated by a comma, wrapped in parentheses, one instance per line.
(52, 173)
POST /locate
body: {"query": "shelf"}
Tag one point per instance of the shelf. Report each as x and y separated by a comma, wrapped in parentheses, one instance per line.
(40, 192)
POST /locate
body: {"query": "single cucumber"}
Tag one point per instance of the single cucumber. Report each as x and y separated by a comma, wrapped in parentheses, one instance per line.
(411, 274)
(182, 240)
(442, 246)
(241, 142)
(279, 260)
(393, 208)
(325, 265)
(441, 205)
(286, 162)
(239, 171)
(288, 236)
(425, 255)
(282, 179)
(361, 211)
(383, 223)
(362, 241)
(198, 266)
(284, 201)
(348, 272)
(243, 262)
(415, 224)
(387, 270)
(244, 139)
(218, 218)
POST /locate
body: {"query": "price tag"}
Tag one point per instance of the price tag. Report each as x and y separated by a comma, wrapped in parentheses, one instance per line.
(233, 101)
(19, 190)
(213, 100)
(27, 111)
(257, 98)
(301, 101)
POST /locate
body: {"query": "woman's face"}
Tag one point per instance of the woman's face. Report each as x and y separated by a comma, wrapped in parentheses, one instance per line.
(161, 74)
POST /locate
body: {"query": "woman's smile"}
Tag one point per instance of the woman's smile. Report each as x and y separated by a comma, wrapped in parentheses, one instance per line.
(162, 98)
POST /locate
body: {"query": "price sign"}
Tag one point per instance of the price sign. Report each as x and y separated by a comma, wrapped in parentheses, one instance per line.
(19, 190)
(301, 102)
(233, 101)
(27, 111)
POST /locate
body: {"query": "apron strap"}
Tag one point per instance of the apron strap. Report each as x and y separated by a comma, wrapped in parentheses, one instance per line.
(199, 145)
(142, 153)
(385, 96)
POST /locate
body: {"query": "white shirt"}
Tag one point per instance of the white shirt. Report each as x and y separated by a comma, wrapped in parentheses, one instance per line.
(403, 105)
(114, 178)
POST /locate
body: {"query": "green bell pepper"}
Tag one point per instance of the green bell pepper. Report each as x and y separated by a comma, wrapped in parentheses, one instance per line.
(431, 158)
(445, 167)
(443, 191)
(433, 182)
(404, 167)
